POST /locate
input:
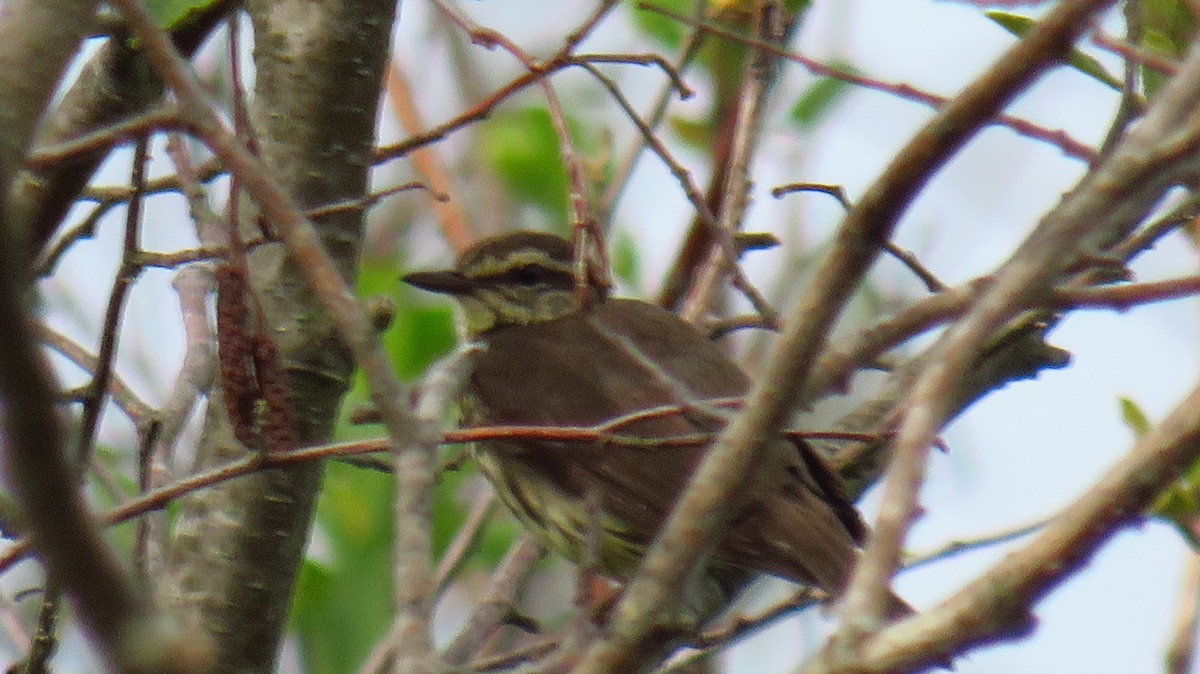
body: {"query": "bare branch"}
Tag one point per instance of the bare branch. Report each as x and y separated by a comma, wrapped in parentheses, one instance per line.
(700, 510)
(995, 607)
(1106, 207)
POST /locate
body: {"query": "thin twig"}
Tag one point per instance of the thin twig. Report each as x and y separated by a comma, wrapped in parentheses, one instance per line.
(1106, 207)
(465, 539)
(352, 322)
(504, 586)
(932, 283)
(581, 220)
(995, 607)
(651, 141)
(126, 400)
(45, 638)
(722, 258)
(133, 128)
(1132, 102)
(93, 404)
(704, 504)
(1057, 137)
(958, 547)
(1182, 647)
(686, 55)
(741, 627)
(1134, 54)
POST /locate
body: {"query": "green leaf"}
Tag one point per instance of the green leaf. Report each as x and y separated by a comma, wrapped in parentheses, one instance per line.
(1167, 29)
(695, 134)
(522, 149)
(1152, 80)
(662, 29)
(1020, 25)
(343, 600)
(1170, 25)
(423, 326)
(1014, 23)
(624, 258)
(340, 612)
(1133, 416)
(1179, 505)
(818, 100)
(423, 332)
(172, 14)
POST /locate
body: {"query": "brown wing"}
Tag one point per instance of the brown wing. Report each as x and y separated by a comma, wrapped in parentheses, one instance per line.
(625, 356)
(828, 486)
(575, 372)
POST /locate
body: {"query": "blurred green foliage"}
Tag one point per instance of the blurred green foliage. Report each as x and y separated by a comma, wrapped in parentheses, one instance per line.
(522, 149)
(343, 601)
(342, 605)
(1178, 504)
(1020, 25)
(663, 30)
(623, 258)
(1167, 29)
(171, 14)
(116, 465)
(819, 99)
(1133, 417)
(723, 60)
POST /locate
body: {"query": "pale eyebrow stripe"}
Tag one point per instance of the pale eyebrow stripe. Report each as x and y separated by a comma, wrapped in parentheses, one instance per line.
(495, 266)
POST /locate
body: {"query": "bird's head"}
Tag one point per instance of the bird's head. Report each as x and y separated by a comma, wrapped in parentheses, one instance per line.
(511, 279)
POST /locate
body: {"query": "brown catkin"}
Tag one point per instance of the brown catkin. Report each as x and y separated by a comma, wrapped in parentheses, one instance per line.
(277, 422)
(234, 354)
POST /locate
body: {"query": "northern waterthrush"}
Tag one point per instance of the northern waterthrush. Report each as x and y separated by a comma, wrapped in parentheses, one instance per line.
(552, 361)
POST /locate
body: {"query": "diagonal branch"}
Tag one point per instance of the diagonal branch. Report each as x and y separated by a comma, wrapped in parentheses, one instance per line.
(1158, 153)
(701, 511)
(995, 606)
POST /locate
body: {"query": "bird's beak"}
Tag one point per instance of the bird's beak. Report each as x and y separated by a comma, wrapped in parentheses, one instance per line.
(449, 282)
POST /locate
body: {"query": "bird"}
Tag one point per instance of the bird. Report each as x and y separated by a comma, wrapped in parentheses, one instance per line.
(556, 357)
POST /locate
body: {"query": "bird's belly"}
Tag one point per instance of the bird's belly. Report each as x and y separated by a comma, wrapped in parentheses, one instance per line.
(559, 520)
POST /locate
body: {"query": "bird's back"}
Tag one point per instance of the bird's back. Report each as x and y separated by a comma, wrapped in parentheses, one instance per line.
(625, 356)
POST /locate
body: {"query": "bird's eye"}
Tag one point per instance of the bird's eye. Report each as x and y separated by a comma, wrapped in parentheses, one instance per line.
(530, 274)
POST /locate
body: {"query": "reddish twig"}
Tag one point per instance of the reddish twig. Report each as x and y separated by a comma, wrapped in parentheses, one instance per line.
(1057, 137)
(126, 273)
